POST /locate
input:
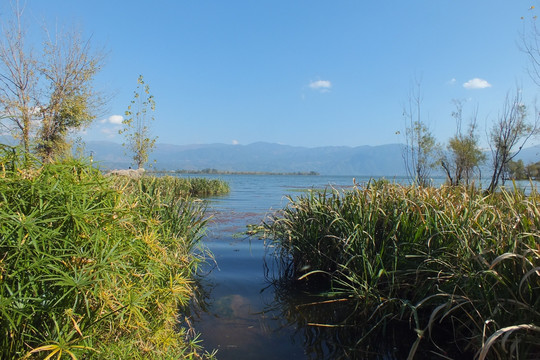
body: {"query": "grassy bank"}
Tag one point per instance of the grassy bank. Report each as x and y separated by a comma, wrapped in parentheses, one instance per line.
(94, 268)
(446, 260)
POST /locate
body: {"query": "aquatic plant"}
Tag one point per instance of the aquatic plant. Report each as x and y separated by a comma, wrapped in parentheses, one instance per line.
(439, 258)
(178, 187)
(93, 269)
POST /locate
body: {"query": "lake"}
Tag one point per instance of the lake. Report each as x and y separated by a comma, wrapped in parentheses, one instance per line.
(244, 316)
(242, 319)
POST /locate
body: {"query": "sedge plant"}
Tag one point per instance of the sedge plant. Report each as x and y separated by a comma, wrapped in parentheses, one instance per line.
(92, 268)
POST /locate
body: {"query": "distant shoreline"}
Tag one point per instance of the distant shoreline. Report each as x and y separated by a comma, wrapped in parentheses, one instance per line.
(224, 172)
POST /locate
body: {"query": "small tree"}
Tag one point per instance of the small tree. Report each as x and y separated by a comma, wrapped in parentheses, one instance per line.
(420, 145)
(44, 96)
(136, 128)
(463, 153)
(69, 68)
(517, 170)
(508, 136)
(533, 170)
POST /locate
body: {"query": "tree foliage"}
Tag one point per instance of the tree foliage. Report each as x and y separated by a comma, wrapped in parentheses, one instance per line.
(519, 171)
(46, 93)
(463, 151)
(69, 68)
(136, 129)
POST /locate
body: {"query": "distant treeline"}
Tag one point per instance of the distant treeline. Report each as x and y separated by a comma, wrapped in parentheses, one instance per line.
(224, 172)
(519, 171)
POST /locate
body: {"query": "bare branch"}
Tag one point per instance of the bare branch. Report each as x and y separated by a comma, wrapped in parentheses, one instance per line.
(50, 94)
(508, 136)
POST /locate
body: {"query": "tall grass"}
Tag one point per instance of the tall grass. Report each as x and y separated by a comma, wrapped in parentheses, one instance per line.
(93, 269)
(175, 186)
(441, 258)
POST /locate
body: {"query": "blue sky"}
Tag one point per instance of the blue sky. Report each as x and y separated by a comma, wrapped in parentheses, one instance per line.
(299, 72)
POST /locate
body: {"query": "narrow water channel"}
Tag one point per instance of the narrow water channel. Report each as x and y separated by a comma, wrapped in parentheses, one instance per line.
(243, 319)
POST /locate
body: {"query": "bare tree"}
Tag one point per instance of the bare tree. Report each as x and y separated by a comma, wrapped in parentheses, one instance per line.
(463, 153)
(68, 67)
(508, 136)
(44, 96)
(18, 80)
(420, 145)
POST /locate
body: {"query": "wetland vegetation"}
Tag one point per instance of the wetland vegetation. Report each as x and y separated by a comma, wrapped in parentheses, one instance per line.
(97, 267)
(456, 271)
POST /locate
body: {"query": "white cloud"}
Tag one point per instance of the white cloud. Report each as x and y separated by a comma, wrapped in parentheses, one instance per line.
(116, 119)
(113, 119)
(452, 81)
(235, 142)
(476, 83)
(321, 85)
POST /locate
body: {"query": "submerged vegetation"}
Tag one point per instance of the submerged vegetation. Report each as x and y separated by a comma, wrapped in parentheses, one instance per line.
(460, 269)
(93, 267)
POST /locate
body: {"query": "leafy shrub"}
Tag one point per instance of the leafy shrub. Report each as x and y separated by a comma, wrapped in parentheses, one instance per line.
(88, 267)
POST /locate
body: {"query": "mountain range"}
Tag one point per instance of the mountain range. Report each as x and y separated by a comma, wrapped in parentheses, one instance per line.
(262, 157)
(382, 160)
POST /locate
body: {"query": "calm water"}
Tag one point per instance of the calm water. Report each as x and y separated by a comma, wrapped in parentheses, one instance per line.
(245, 317)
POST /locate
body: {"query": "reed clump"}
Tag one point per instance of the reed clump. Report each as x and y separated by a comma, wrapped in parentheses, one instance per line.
(448, 257)
(94, 269)
(176, 186)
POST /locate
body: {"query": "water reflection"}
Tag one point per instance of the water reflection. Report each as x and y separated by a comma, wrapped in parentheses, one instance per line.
(331, 327)
(234, 322)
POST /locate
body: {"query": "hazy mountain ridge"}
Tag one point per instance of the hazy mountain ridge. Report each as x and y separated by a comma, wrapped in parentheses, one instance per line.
(384, 160)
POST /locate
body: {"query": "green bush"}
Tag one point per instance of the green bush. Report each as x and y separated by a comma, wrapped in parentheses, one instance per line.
(91, 268)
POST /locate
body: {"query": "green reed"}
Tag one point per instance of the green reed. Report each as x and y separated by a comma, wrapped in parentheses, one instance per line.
(440, 257)
(93, 269)
(175, 186)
